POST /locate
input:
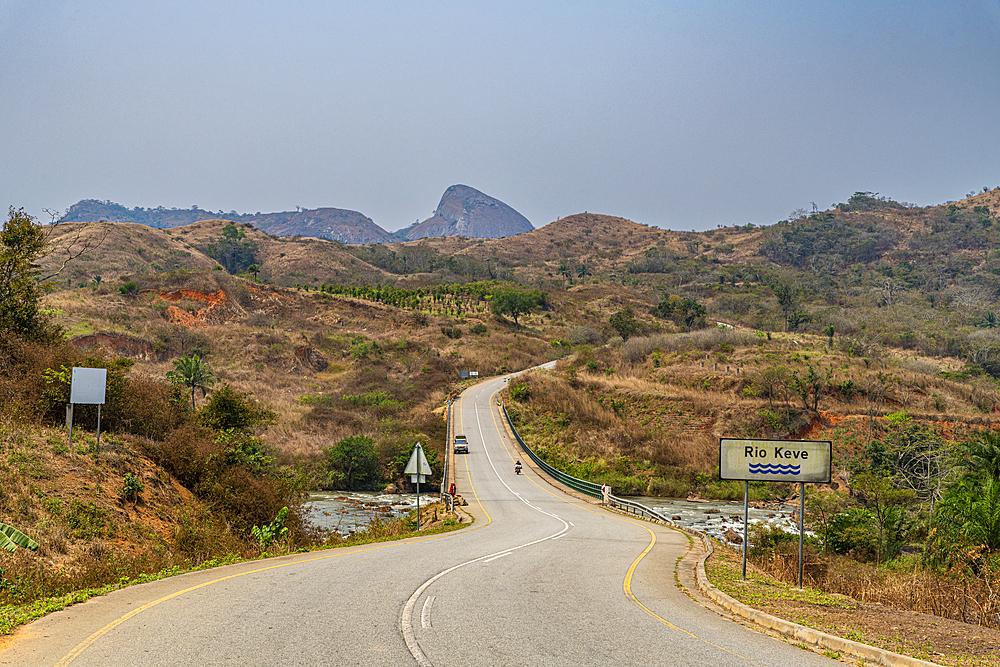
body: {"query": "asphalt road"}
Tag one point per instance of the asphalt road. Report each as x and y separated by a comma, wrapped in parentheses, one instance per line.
(539, 579)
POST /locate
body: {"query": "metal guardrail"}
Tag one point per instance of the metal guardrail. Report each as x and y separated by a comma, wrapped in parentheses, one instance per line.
(638, 509)
(445, 496)
(583, 486)
(589, 488)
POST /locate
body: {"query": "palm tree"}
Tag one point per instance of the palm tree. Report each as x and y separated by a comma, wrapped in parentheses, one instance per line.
(194, 373)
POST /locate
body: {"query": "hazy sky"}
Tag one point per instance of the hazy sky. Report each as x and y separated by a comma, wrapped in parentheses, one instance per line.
(683, 115)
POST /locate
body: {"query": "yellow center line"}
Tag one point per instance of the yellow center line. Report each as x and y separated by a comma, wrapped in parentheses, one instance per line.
(627, 584)
(89, 641)
(86, 643)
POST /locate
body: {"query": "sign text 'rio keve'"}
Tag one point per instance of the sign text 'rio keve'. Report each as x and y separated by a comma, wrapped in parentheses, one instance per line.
(775, 460)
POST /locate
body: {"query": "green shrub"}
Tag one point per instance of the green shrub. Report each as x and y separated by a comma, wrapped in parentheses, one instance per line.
(132, 487)
(765, 539)
(354, 463)
(276, 530)
(724, 490)
(520, 392)
(855, 533)
(668, 487)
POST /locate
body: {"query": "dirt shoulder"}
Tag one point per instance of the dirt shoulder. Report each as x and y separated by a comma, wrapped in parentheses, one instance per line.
(931, 638)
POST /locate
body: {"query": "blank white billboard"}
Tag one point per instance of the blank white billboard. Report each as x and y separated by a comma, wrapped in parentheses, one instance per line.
(89, 385)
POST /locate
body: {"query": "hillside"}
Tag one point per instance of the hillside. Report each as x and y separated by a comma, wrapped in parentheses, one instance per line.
(118, 250)
(325, 223)
(920, 279)
(590, 267)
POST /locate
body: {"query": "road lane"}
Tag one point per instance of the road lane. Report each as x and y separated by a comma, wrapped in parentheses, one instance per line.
(541, 578)
(588, 595)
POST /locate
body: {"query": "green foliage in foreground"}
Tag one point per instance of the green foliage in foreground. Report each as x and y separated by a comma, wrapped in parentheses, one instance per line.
(22, 245)
(11, 538)
(276, 530)
(231, 409)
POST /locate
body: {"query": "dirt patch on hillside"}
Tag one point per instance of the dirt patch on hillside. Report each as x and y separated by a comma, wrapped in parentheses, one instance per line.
(120, 345)
(217, 308)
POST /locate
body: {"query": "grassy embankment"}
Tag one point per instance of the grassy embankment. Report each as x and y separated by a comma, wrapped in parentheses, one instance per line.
(95, 536)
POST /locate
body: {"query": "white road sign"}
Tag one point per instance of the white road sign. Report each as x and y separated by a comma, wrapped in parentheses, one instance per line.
(88, 385)
(418, 465)
(775, 460)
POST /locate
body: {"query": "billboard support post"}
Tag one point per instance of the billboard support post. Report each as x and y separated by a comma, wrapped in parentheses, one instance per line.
(775, 461)
(802, 523)
(746, 517)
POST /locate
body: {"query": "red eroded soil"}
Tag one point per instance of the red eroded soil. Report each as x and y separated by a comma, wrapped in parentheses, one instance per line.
(218, 308)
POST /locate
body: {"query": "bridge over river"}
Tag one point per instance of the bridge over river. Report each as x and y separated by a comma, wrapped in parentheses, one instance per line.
(540, 578)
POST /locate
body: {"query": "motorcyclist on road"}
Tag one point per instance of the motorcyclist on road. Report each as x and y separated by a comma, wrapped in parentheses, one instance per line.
(517, 467)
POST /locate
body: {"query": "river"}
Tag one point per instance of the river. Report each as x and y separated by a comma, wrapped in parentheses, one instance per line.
(347, 512)
(716, 517)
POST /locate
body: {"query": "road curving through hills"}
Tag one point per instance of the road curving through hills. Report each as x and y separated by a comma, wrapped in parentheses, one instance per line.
(541, 578)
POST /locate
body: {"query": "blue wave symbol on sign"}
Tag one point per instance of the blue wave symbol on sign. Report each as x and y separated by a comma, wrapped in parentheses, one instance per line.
(775, 469)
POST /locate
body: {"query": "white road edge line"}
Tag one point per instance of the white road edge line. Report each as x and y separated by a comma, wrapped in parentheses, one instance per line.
(425, 613)
(406, 618)
(489, 560)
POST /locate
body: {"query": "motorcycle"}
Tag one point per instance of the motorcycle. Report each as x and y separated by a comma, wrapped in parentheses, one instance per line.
(517, 469)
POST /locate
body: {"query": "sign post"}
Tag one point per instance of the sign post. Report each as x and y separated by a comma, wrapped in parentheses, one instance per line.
(88, 386)
(418, 468)
(775, 461)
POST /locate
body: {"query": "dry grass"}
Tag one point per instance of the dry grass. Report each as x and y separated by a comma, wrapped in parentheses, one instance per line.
(654, 411)
(638, 349)
(905, 585)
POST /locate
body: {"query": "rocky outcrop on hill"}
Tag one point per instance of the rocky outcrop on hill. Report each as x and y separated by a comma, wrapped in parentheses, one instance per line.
(310, 357)
(465, 211)
(94, 210)
(336, 224)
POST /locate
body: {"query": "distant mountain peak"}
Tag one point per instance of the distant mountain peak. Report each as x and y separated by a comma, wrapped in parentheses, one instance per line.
(465, 211)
